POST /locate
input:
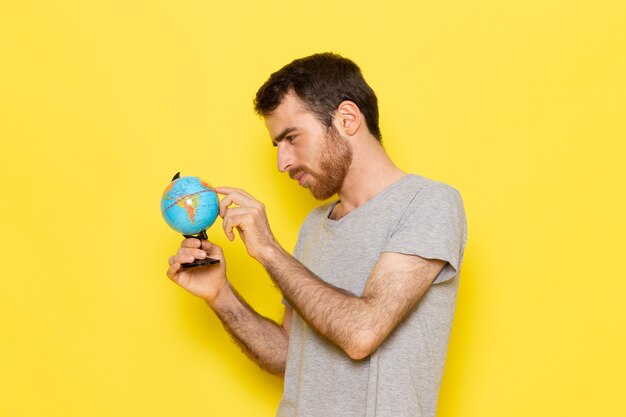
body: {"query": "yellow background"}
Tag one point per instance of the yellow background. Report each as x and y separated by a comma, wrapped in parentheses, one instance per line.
(519, 105)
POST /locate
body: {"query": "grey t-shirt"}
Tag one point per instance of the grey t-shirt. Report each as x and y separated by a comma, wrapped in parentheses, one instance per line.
(415, 216)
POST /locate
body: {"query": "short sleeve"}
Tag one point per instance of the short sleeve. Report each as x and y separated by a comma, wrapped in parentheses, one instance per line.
(433, 226)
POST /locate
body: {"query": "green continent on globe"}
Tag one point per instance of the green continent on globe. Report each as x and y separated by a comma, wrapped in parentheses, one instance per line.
(189, 203)
(172, 193)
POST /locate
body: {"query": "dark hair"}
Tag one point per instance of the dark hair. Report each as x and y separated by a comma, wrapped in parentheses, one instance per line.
(322, 82)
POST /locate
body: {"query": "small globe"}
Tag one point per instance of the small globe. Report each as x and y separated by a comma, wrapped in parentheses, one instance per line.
(189, 205)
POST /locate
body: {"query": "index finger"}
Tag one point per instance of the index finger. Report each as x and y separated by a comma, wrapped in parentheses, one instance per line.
(191, 242)
(230, 190)
(235, 196)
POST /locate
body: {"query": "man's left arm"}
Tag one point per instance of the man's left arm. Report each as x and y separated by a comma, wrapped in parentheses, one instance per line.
(357, 324)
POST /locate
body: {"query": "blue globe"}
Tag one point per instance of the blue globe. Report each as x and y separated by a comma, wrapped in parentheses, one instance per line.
(189, 205)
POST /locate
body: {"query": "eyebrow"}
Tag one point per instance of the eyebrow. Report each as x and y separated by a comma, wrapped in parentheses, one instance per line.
(282, 135)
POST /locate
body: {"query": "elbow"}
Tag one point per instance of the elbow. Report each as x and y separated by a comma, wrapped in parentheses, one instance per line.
(358, 354)
(277, 370)
(362, 345)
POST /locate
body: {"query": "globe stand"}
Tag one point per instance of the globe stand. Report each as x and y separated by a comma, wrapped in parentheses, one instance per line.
(199, 262)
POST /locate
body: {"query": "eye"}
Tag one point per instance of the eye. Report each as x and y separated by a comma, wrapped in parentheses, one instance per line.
(290, 138)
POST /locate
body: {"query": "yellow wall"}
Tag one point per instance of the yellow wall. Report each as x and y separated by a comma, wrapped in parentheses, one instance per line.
(519, 105)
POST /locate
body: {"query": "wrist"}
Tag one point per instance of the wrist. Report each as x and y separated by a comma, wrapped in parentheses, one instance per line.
(220, 300)
(271, 254)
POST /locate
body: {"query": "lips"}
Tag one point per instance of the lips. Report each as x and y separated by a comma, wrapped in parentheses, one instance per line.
(299, 176)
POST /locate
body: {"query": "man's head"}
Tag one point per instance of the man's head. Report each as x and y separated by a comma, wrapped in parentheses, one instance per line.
(318, 157)
(333, 160)
(322, 82)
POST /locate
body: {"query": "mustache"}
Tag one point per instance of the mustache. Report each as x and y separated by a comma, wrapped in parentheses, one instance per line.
(296, 171)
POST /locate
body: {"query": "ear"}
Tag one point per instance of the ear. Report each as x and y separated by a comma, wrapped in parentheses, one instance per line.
(348, 118)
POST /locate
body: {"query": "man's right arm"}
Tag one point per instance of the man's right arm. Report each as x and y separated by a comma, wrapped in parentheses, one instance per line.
(262, 339)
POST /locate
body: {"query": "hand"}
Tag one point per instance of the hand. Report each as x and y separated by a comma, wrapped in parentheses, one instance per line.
(250, 220)
(206, 281)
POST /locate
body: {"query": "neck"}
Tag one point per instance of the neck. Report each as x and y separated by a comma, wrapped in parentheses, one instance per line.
(370, 173)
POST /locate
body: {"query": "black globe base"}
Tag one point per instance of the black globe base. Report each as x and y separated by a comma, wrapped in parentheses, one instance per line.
(199, 262)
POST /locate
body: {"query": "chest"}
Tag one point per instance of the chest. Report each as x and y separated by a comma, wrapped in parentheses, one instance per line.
(344, 255)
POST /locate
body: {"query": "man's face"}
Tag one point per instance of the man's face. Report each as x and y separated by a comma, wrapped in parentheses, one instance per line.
(317, 157)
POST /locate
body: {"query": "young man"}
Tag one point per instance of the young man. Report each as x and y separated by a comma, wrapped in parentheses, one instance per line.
(371, 287)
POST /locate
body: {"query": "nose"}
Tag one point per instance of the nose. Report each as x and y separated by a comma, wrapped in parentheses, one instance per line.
(284, 158)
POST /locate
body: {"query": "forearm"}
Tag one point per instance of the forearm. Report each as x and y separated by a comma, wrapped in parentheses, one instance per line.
(345, 319)
(261, 339)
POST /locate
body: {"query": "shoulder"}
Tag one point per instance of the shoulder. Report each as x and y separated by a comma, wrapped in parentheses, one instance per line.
(425, 189)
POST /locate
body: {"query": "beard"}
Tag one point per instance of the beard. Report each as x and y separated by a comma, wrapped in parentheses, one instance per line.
(335, 158)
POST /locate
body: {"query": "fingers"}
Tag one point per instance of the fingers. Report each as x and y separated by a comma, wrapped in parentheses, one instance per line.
(208, 246)
(212, 250)
(231, 190)
(195, 243)
(236, 196)
(190, 250)
(184, 255)
(191, 242)
(173, 269)
(240, 218)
